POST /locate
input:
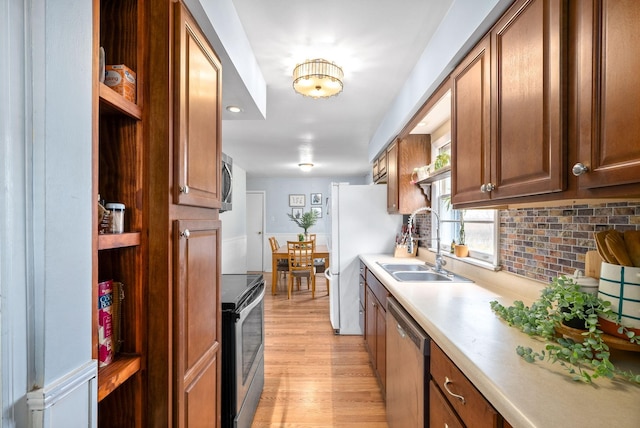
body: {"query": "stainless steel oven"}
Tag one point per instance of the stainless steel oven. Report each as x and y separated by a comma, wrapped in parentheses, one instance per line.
(242, 348)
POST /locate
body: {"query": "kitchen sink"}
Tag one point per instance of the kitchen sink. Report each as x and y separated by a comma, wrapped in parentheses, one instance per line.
(398, 267)
(414, 272)
(420, 276)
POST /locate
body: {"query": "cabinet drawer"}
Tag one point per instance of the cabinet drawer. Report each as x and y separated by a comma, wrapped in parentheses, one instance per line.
(378, 289)
(475, 410)
(440, 412)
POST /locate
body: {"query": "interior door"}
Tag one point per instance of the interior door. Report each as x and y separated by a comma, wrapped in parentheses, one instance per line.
(255, 231)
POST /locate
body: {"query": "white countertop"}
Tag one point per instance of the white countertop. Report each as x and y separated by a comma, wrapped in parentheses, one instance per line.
(459, 319)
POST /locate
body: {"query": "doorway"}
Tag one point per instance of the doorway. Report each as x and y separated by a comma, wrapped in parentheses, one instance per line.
(255, 231)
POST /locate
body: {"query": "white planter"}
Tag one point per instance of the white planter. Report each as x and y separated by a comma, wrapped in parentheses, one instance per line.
(620, 285)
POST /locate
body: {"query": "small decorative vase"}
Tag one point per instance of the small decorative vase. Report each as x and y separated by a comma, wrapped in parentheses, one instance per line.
(461, 250)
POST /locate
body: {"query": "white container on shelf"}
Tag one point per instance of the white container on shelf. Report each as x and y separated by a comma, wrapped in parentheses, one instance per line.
(116, 213)
(620, 285)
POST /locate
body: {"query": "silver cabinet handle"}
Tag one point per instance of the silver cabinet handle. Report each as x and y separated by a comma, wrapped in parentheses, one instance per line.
(446, 383)
(488, 187)
(184, 189)
(185, 234)
(579, 169)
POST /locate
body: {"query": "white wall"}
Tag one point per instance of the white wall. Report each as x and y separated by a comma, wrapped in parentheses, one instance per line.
(46, 202)
(234, 226)
(463, 26)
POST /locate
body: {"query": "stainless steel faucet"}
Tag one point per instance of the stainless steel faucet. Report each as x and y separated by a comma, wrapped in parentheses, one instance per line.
(439, 259)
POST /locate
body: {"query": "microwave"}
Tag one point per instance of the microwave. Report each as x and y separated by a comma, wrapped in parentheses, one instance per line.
(227, 183)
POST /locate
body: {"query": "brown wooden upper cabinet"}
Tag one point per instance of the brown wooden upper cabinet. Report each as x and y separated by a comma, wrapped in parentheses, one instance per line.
(508, 104)
(380, 168)
(403, 155)
(197, 117)
(606, 93)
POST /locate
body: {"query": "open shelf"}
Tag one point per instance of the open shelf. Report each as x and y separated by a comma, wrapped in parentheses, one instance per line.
(118, 240)
(115, 374)
(440, 174)
(113, 102)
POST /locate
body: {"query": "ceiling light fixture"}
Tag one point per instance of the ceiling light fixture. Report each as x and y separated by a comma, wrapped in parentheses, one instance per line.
(317, 78)
(234, 109)
(305, 167)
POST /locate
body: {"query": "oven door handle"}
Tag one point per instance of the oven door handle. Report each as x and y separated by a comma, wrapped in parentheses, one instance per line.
(256, 299)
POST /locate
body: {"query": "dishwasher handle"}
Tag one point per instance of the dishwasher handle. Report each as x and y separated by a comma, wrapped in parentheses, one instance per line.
(408, 327)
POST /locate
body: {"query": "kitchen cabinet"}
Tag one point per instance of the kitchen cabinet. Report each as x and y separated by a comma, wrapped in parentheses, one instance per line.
(376, 327)
(380, 168)
(119, 175)
(197, 331)
(362, 293)
(607, 155)
(403, 155)
(508, 108)
(454, 401)
(197, 110)
(184, 324)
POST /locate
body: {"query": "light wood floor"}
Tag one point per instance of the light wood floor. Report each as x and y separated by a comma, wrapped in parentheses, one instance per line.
(314, 378)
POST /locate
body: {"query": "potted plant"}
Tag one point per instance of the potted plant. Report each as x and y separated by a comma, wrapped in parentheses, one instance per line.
(584, 355)
(460, 248)
(305, 221)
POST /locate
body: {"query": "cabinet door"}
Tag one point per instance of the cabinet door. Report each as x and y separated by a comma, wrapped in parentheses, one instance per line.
(197, 323)
(470, 125)
(392, 178)
(197, 79)
(381, 347)
(607, 92)
(402, 157)
(527, 103)
(370, 336)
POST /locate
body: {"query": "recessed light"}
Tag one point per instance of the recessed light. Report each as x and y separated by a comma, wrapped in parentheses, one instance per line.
(234, 109)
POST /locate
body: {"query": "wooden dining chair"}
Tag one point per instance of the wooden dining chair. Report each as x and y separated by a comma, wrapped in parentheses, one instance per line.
(282, 265)
(319, 264)
(301, 265)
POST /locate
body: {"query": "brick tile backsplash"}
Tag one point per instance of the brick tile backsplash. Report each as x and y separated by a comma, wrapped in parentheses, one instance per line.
(543, 243)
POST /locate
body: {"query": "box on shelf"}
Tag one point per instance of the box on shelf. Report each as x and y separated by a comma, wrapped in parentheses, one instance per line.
(121, 79)
(105, 322)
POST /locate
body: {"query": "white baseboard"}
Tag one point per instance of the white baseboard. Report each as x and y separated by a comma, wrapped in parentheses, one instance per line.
(70, 401)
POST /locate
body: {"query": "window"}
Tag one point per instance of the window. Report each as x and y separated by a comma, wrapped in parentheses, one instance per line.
(480, 226)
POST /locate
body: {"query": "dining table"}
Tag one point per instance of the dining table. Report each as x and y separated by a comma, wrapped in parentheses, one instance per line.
(321, 252)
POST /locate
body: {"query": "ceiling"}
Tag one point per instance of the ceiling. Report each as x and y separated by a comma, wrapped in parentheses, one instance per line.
(376, 42)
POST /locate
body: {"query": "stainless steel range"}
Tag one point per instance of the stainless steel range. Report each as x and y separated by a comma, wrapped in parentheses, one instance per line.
(242, 348)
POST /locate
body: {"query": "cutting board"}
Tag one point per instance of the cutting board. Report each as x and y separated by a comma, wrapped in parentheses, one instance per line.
(592, 262)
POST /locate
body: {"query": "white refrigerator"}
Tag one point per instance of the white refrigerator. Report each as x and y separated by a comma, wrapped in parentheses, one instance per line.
(358, 223)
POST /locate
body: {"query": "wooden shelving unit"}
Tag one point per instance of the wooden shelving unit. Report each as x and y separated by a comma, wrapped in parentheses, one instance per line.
(119, 175)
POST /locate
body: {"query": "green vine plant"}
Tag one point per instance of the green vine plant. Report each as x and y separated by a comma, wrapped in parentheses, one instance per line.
(562, 301)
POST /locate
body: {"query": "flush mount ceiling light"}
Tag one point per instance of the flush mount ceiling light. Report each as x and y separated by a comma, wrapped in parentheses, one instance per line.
(234, 109)
(317, 78)
(305, 167)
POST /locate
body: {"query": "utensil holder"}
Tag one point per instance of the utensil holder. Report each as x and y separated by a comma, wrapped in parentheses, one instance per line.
(401, 251)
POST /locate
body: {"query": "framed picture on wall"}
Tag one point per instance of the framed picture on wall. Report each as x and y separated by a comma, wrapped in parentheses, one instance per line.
(316, 199)
(296, 201)
(296, 212)
(317, 210)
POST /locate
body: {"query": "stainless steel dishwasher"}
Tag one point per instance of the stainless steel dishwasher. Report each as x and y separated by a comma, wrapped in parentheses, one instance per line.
(407, 369)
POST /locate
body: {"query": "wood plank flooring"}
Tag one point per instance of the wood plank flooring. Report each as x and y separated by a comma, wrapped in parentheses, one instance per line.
(314, 378)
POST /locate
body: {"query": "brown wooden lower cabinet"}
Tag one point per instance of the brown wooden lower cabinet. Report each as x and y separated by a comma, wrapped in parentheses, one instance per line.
(197, 328)
(375, 334)
(464, 404)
